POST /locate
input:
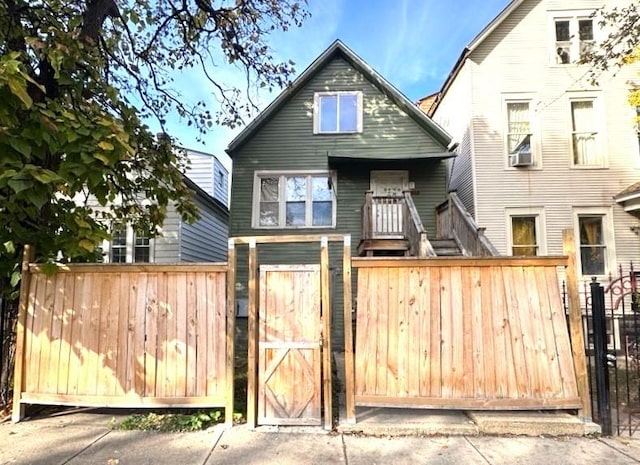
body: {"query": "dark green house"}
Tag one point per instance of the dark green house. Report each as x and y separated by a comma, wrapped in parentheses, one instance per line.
(339, 151)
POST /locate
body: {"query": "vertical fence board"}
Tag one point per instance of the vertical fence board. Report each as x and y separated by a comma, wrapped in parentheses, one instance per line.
(124, 329)
(422, 331)
(435, 372)
(191, 366)
(67, 315)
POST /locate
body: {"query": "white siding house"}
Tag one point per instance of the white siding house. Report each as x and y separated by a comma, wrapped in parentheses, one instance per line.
(542, 149)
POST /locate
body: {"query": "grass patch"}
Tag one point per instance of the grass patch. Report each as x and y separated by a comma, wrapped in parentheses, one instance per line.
(172, 422)
(197, 420)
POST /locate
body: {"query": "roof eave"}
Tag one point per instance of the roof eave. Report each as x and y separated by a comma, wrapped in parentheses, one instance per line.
(437, 132)
(475, 42)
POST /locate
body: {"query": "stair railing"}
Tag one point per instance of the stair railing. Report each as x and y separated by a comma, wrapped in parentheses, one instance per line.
(454, 221)
(419, 245)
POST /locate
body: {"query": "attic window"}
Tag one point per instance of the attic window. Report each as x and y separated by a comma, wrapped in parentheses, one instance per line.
(337, 112)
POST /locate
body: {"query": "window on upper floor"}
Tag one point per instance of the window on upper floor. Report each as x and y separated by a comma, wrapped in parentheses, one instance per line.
(584, 134)
(129, 245)
(337, 112)
(519, 133)
(526, 231)
(294, 200)
(574, 37)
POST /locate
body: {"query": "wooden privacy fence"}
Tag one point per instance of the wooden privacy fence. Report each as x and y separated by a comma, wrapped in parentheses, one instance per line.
(126, 336)
(486, 333)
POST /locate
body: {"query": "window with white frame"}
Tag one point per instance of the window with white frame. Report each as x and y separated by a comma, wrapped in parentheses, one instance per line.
(584, 134)
(595, 240)
(294, 200)
(129, 245)
(519, 132)
(574, 37)
(118, 246)
(337, 112)
(526, 228)
(593, 248)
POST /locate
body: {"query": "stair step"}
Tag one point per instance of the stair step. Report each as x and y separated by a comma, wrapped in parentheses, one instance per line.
(444, 243)
(387, 247)
(447, 252)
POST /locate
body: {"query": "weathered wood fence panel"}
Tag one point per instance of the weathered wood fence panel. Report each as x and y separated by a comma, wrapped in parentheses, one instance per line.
(128, 335)
(463, 333)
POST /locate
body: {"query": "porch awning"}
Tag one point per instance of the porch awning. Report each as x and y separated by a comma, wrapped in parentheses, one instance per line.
(629, 198)
(361, 155)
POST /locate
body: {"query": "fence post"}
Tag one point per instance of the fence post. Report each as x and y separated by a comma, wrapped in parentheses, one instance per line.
(17, 412)
(575, 324)
(600, 348)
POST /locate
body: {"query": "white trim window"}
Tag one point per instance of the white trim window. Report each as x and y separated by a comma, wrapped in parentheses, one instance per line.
(337, 112)
(129, 245)
(294, 200)
(574, 37)
(584, 133)
(526, 231)
(595, 241)
(519, 138)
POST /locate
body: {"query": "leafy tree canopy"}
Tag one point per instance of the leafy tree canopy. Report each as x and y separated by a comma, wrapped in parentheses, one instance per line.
(77, 80)
(621, 46)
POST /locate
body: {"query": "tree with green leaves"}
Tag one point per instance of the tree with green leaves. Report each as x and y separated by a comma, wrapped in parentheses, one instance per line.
(621, 45)
(78, 80)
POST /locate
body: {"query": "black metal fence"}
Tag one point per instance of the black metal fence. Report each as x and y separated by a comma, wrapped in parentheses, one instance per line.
(611, 317)
(8, 317)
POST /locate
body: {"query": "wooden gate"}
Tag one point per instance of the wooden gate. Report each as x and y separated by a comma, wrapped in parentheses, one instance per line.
(289, 345)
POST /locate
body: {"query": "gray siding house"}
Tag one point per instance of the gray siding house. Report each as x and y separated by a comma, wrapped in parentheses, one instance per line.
(203, 241)
(339, 151)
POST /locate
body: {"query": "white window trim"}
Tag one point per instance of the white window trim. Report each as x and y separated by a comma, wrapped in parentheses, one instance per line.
(541, 226)
(572, 16)
(601, 136)
(316, 111)
(609, 237)
(536, 149)
(130, 247)
(255, 209)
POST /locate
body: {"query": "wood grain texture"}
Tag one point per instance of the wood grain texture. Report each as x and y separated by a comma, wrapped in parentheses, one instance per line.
(484, 334)
(117, 336)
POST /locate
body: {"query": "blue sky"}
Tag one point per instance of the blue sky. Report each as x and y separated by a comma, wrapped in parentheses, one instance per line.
(412, 43)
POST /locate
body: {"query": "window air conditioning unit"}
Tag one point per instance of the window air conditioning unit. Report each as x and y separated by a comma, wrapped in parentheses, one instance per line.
(521, 159)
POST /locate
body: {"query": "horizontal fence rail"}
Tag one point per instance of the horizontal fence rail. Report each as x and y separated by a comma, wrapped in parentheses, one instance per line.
(127, 335)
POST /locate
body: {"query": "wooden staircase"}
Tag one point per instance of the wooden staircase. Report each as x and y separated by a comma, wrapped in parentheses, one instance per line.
(446, 248)
(384, 248)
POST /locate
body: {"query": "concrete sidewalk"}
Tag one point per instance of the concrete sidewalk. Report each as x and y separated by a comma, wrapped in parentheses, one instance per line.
(86, 438)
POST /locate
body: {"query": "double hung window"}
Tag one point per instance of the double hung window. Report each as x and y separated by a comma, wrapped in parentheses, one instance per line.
(584, 133)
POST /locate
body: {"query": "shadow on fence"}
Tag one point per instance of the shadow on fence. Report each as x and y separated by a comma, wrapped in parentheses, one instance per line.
(8, 317)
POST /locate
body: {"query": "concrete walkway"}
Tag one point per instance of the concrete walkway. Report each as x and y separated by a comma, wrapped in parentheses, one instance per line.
(86, 438)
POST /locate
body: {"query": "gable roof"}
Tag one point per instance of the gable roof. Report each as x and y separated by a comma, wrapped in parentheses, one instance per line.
(475, 43)
(338, 49)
